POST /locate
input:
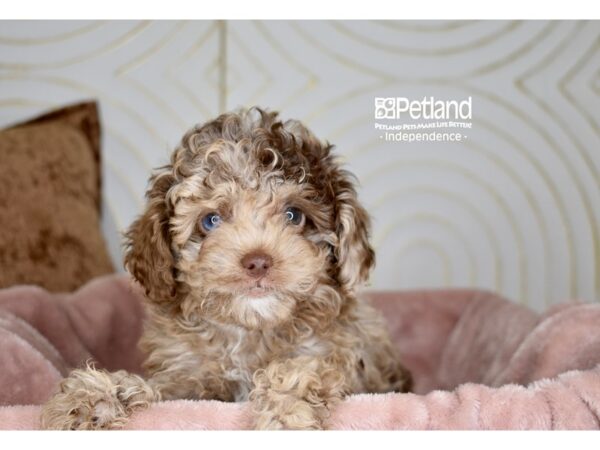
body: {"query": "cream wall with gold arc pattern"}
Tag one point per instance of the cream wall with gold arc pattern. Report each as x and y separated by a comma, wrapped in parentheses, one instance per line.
(515, 208)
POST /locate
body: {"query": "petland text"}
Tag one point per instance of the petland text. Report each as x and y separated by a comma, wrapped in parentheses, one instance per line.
(428, 108)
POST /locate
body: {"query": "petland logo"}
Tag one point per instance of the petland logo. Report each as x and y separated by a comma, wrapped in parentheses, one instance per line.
(428, 108)
(426, 114)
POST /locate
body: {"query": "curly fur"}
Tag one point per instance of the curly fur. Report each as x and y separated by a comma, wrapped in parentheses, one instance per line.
(293, 342)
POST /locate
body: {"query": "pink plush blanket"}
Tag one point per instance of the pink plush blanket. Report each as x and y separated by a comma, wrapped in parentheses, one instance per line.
(479, 362)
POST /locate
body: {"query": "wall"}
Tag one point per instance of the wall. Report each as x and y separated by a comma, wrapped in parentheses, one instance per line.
(515, 208)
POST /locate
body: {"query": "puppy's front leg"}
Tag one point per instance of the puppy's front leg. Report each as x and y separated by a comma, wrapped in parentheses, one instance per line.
(296, 394)
(91, 399)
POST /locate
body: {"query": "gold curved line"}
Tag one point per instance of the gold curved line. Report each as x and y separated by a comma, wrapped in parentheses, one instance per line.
(148, 52)
(222, 64)
(337, 57)
(303, 90)
(213, 67)
(435, 218)
(589, 118)
(436, 248)
(120, 228)
(88, 90)
(23, 103)
(8, 40)
(195, 47)
(346, 127)
(123, 71)
(411, 26)
(283, 53)
(161, 103)
(343, 97)
(464, 204)
(475, 178)
(179, 85)
(80, 58)
(524, 274)
(132, 148)
(189, 93)
(520, 83)
(426, 52)
(562, 84)
(424, 80)
(312, 79)
(115, 218)
(125, 181)
(256, 63)
(523, 187)
(595, 82)
(548, 180)
(526, 48)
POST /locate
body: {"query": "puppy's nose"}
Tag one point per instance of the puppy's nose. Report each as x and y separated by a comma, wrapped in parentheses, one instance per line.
(257, 264)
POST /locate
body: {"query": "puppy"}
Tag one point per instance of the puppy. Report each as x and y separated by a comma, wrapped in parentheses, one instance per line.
(251, 250)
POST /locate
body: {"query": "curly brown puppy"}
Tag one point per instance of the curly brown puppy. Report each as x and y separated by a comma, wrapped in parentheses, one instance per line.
(251, 250)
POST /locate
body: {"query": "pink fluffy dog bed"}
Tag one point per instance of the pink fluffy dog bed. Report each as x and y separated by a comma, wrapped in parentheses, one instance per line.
(479, 361)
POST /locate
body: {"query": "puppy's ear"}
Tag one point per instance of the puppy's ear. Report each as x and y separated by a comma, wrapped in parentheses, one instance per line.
(353, 253)
(148, 256)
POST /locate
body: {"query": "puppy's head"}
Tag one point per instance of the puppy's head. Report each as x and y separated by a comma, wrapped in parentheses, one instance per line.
(248, 224)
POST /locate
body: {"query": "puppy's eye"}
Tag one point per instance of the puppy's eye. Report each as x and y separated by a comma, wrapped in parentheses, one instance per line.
(294, 216)
(211, 221)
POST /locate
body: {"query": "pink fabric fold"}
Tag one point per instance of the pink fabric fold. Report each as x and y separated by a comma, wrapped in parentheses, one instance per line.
(479, 361)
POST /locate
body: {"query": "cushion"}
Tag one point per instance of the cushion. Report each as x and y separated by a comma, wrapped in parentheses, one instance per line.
(479, 361)
(50, 200)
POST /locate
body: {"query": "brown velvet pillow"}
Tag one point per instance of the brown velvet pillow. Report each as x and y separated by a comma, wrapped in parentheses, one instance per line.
(50, 200)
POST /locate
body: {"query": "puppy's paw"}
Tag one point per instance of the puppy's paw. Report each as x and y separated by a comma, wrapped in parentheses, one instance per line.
(91, 399)
(402, 381)
(296, 420)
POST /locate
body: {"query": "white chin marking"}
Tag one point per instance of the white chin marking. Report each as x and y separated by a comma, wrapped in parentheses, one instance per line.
(265, 307)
